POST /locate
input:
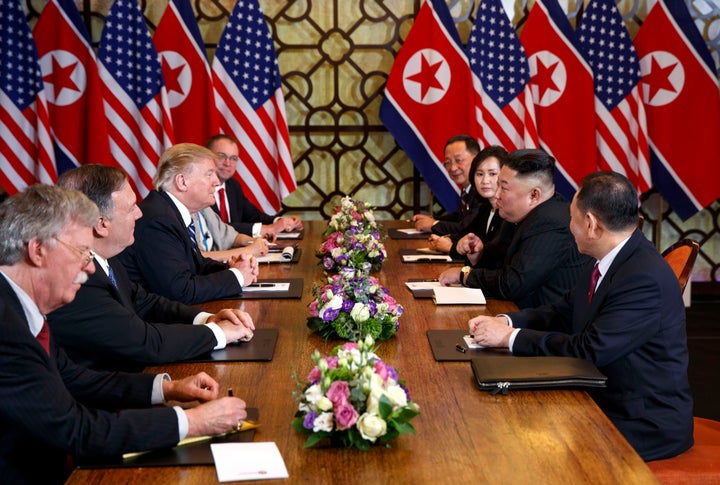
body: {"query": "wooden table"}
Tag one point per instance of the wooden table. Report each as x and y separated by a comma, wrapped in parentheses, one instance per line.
(463, 435)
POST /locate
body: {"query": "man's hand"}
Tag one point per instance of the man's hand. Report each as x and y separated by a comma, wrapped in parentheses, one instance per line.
(234, 332)
(215, 417)
(440, 243)
(248, 266)
(235, 316)
(449, 277)
(490, 331)
(288, 224)
(423, 223)
(200, 387)
(258, 247)
(269, 232)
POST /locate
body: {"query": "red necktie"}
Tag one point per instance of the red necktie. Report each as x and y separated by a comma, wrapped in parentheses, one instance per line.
(594, 277)
(223, 206)
(43, 337)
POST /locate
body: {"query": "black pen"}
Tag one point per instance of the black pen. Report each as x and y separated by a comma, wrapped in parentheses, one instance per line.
(230, 393)
(262, 285)
(460, 348)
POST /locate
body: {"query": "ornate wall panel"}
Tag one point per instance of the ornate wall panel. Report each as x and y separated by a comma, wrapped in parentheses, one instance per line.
(334, 57)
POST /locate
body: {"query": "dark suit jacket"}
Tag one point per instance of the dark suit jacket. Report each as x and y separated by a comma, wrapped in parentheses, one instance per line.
(495, 238)
(45, 405)
(126, 328)
(457, 221)
(243, 214)
(162, 258)
(541, 262)
(634, 332)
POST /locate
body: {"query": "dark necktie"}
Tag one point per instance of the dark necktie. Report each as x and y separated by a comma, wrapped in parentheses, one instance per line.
(594, 277)
(223, 205)
(43, 337)
(191, 230)
(464, 202)
(111, 276)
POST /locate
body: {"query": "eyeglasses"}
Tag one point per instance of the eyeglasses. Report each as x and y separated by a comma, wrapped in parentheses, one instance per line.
(457, 161)
(224, 156)
(82, 252)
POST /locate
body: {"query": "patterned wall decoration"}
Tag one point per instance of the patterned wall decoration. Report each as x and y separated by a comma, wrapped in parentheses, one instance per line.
(334, 57)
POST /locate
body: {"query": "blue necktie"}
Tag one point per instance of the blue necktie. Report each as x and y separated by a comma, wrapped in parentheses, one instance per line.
(191, 230)
(111, 276)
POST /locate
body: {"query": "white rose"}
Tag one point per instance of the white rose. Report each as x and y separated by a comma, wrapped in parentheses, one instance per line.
(313, 394)
(324, 404)
(371, 426)
(324, 422)
(360, 312)
(336, 252)
(397, 396)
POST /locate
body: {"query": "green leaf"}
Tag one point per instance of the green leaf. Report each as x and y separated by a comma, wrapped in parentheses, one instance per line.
(385, 407)
(405, 428)
(315, 438)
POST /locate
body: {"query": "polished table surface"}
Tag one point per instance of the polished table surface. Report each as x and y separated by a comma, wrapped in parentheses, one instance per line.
(463, 435)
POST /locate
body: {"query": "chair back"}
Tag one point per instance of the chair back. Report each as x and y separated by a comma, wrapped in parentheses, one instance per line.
(681, 258)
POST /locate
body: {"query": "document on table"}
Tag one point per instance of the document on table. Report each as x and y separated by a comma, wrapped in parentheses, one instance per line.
(428, 251)
(266, 287)
(248, 461)
(458, 295)
(414, 258)
(411, 231)
(289, 235)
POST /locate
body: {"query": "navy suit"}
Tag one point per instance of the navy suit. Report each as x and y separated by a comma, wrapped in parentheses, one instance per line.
(126, 328)
(45, 405)
(634, 332)
(541, 262)
(243, 214)
(458, 221)
(162, 258)
(496, 238)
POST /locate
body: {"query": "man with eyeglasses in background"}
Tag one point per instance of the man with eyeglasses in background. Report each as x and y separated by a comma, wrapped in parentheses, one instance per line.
(230, 201)
(459, 153)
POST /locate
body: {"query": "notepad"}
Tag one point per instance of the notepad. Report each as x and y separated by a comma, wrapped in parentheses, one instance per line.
(458, 295)
(422, 285)
(248, 461)
(411, 231)
(288, 235)
(266, 287)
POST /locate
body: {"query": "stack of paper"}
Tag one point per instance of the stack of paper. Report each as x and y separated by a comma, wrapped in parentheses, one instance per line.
(458, 295)
(248, 461)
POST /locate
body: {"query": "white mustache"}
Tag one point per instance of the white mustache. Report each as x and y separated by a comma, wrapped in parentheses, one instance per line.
(81, 278)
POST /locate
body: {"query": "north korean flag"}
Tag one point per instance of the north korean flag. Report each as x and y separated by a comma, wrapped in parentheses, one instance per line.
(187, 74)
(680, 90)
(72, 87)
(428, 97)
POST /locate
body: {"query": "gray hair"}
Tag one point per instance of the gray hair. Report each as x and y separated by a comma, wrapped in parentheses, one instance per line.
(41, 211)
(178, 159)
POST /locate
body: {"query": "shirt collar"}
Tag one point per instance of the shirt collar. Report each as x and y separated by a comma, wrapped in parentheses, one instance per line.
(607, 260)
(33, 315)
(184, 212)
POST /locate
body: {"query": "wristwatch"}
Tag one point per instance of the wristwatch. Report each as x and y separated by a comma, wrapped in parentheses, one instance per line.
(464, 271)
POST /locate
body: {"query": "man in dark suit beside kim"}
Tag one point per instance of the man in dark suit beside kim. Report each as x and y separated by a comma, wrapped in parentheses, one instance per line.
(625, 314)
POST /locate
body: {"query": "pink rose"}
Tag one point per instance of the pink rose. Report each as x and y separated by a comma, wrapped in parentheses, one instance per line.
(314, 375)
(381, 369)
(332, 361)
(338, 393)
(313, 308)
(345, 416)
(350, 346)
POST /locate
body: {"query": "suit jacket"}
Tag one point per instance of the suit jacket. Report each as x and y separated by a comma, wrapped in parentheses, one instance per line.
(46, 400)
(634, 332)
(496, 238)
(223, 235)
(457, 221)
(541, 262)
(243, 214)
(163, 260)
(126, 328)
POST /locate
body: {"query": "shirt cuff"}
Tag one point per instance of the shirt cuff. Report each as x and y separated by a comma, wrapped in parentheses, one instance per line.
(201, 318)
(238, 275)
(512, 339)
(183, 425)
(157, 396)
(219, 335)
(256, 228)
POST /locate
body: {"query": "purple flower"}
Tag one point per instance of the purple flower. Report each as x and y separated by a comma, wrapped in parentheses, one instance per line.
(309, 420)
(392, 373)
(345, 416)
(347, 305)
(330, 314)
(328, 263)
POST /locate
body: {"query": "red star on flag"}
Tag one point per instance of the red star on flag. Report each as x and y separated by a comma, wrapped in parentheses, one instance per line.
(426, 77)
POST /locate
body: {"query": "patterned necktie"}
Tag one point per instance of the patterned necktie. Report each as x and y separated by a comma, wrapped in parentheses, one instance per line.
(43, 337)
(111, 276)
(594, 277)
(191, 230)
(223, 205)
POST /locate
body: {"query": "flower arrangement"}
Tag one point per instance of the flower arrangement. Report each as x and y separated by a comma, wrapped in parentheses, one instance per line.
(362, 251)
(351, 214)
(351, 306)
(353, 398)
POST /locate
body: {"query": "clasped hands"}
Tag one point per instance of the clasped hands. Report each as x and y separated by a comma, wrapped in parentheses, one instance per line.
(236, 324)
(247, 265)
(490, 331)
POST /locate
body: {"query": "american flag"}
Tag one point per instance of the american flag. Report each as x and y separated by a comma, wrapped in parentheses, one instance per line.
(187, 74)
(249, 98)
(26, 153)
(620, 115)
(72, 87)
(135, 97)
(503, 102)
